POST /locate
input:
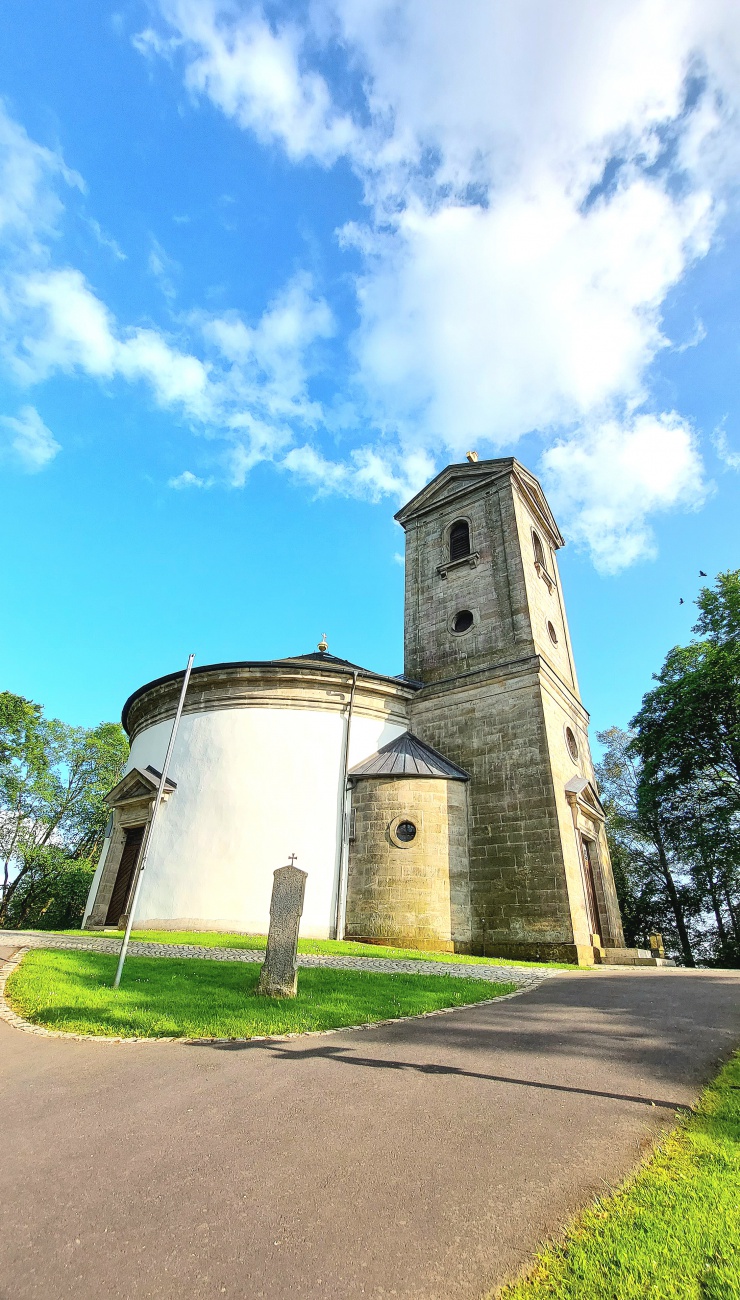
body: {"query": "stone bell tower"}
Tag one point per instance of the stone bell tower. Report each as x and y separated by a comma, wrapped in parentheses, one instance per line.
(487, 636)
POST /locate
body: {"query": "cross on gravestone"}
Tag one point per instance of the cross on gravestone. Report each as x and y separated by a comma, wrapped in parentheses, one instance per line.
(279, 975)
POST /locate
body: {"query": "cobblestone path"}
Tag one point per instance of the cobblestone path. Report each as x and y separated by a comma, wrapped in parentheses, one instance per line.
(522, 976)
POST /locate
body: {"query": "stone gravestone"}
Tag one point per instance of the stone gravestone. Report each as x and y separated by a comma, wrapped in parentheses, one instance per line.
(279, 976)
(657, 947)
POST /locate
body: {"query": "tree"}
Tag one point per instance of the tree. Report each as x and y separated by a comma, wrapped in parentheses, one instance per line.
(649, 879)
(53, 778)
(689, 725)
(687, 741)
(51, 892)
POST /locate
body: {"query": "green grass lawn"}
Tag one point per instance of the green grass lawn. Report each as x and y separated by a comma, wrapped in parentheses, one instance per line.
(163, 996)
(322, 947)
(672, 1232)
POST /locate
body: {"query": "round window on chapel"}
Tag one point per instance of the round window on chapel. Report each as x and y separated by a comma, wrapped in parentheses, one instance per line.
(572, 744)
(406, 832)
(552, 633)
(462, 621)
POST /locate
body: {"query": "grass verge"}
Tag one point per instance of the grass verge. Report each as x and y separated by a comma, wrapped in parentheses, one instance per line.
(163, 996)
(320, 947)
(672, 1232)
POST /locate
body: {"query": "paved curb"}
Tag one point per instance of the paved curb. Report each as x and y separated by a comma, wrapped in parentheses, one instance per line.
(26, 1026)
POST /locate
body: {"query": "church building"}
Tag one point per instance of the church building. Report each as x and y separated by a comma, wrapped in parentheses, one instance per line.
(450, 808)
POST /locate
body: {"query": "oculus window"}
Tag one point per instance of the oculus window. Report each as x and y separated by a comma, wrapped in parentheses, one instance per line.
(406, 831)
(463, 621)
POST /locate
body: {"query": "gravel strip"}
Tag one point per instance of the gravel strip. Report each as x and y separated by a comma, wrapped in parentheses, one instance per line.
(522, 976)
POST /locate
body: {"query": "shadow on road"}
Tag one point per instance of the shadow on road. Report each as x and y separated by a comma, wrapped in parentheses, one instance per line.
(343, 1056)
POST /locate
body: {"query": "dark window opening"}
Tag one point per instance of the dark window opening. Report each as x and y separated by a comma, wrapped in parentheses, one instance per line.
(572, 744)
(405, 832)
(539, 552)
(459, 540)
(462, 621)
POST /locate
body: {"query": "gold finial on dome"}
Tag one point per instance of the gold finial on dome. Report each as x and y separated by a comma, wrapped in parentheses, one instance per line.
(472, 456)
(323, 645)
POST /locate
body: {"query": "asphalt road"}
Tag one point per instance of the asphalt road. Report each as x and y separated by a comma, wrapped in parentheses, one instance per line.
(424, 1160)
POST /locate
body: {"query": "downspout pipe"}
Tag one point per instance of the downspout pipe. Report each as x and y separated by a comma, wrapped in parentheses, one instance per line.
(344, 850)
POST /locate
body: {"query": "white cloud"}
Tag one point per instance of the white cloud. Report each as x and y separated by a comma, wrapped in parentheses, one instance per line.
(254, 74)
(538, 177)
(26, 441)
(485, 323)
(29, 204)
(722, 447)
(370, 473)
(106, 241)
(272, 357)
(188, 480)
(252, 382)
(247, 383)
(609, 479)
(313, 468)
(58, 323)
(164, 269)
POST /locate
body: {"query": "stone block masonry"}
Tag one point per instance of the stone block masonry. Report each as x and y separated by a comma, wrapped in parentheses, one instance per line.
(411, 894)
(500, 698)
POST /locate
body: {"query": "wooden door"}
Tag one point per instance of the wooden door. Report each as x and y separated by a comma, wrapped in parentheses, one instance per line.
(126, 868)
(592, 900)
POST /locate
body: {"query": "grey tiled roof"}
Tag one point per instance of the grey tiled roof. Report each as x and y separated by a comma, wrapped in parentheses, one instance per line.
(409, 756)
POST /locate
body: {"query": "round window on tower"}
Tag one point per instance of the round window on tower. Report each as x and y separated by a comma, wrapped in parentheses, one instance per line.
(572, 744)
(404, 831)
(552, 633)
(463, 621)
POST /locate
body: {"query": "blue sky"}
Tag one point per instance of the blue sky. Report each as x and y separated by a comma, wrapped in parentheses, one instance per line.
(266, 268)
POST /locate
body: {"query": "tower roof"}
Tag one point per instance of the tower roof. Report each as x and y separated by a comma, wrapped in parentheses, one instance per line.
(409, 756)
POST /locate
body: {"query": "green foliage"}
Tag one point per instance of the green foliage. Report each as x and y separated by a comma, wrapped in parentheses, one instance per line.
(651, 885)
(53, 778)
(688, 727)
(673, 789)
(672, 1232)
(51, 892)
(163, 997)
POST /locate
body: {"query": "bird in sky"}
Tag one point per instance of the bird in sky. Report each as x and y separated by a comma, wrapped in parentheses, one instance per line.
(702, 574)
(680, 600)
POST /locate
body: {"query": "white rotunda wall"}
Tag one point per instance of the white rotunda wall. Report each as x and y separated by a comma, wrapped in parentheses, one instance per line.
(254, 784)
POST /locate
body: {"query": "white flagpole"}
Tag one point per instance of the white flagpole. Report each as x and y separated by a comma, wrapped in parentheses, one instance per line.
(150, 829)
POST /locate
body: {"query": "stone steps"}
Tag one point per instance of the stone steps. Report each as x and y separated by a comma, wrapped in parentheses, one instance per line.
(629, 957)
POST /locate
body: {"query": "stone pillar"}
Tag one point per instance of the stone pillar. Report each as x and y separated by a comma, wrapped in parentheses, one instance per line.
(279, 976)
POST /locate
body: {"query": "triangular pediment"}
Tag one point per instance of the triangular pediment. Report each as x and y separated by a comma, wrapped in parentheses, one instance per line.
(137, 784)
(455, 482)
(586, 794)
(452, 482)
(591, 797)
